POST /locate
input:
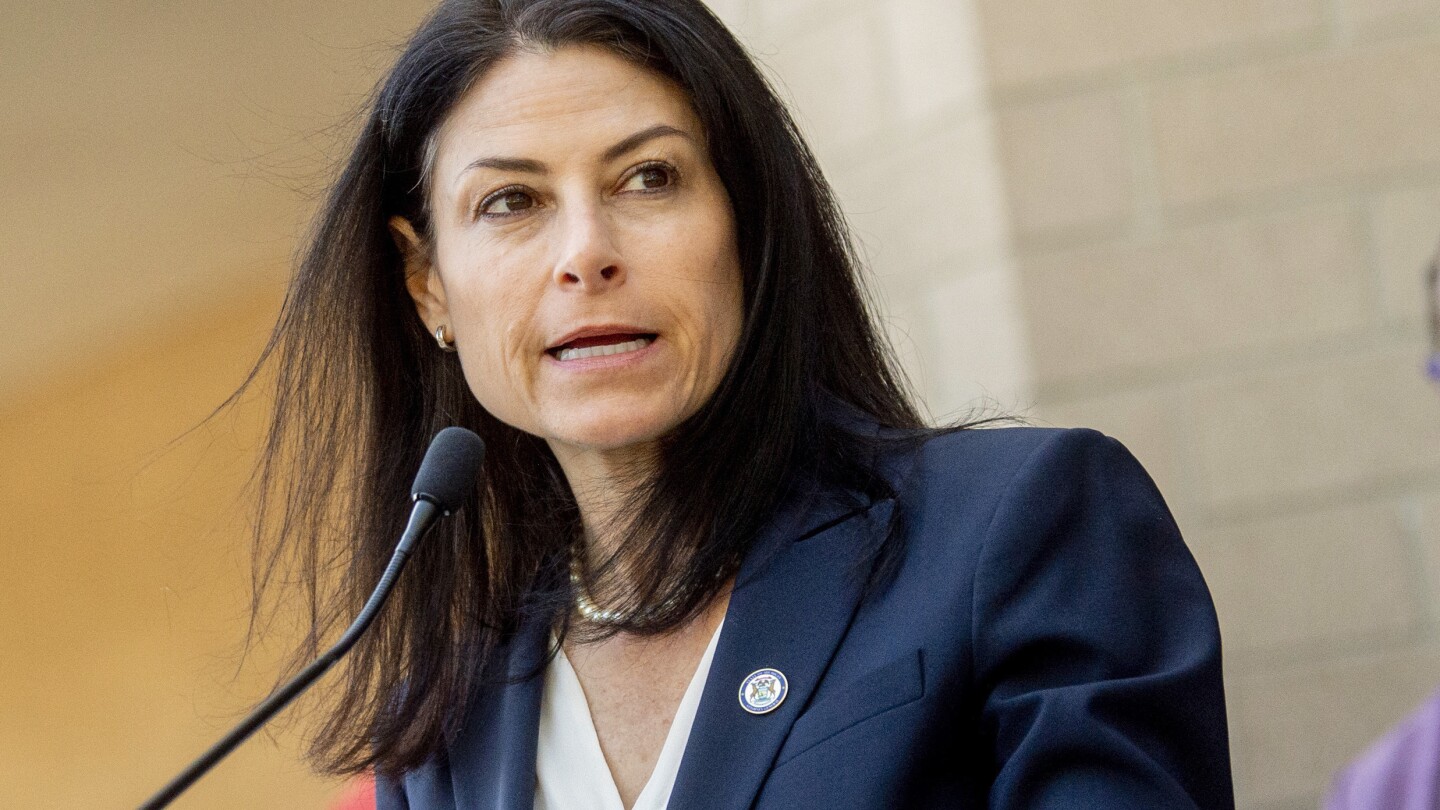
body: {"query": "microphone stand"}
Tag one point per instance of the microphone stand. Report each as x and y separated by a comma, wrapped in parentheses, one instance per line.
(421, 517)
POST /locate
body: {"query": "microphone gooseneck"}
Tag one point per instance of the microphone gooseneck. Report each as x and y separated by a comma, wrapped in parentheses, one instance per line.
(449, 471)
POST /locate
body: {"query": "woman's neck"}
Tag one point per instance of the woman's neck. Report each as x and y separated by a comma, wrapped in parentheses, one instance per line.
(603, 483)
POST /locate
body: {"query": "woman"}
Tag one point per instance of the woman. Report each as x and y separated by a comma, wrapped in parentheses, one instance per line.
(716, 560)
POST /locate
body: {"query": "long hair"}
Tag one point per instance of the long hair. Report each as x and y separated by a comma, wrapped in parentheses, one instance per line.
(361, 388)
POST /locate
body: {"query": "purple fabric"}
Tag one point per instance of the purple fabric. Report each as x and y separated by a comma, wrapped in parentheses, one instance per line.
(1399, 771)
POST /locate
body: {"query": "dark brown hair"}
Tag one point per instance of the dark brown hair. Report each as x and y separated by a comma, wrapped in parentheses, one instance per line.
(361, 388)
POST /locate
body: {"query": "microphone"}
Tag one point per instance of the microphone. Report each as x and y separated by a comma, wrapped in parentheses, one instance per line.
(449, 471)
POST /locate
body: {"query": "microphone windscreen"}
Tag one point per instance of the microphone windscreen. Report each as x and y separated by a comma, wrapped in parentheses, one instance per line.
(450, 468)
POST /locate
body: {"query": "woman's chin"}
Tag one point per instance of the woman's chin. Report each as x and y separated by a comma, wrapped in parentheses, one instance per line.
(609, 433)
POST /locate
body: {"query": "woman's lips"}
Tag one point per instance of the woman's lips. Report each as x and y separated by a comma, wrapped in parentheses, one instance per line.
(600, 341)
(595, 333)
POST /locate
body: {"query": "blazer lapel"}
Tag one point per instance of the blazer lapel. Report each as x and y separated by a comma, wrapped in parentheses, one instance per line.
(492, 762)
(794, 598)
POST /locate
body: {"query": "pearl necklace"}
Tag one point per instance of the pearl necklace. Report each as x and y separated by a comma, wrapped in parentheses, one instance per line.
(592, 613)
(587, 608)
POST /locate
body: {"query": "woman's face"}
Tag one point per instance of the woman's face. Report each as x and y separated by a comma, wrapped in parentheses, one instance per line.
(585, 261)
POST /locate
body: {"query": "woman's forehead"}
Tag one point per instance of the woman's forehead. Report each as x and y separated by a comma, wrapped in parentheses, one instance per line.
(573, 101)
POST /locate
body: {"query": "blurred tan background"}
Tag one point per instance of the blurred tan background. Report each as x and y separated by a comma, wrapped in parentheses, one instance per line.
(1198, 225)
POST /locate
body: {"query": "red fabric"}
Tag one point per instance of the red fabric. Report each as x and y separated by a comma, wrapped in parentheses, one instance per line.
(358, 795)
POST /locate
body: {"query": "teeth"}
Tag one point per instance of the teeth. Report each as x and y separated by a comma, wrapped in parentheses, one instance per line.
(603, 351)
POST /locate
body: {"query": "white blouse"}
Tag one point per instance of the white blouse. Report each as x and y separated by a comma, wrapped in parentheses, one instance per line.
(570, 769)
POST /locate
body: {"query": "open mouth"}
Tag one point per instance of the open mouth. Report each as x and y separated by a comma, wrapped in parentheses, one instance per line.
(600, 346)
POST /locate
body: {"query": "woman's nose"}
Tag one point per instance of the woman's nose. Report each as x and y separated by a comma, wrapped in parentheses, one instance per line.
(588, 259)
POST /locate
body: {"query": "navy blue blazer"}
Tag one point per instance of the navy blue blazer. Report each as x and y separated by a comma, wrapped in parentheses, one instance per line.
(1047, 642)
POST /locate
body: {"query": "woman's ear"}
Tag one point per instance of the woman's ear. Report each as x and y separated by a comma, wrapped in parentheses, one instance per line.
(422, 280)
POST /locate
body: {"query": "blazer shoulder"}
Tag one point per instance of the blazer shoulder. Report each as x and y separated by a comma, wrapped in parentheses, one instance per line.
(981, 460)
(997, 445)
(956, 489)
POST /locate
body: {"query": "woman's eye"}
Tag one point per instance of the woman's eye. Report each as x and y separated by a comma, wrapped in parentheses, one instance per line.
(507, 202)
(650, 178)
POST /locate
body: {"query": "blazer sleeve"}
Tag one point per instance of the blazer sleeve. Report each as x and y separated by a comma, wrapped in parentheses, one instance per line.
(1096, 642)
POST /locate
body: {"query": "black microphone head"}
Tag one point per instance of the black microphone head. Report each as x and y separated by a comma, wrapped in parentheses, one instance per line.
(450, 468)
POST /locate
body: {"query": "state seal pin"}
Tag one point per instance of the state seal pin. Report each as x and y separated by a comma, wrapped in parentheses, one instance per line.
(763, 690)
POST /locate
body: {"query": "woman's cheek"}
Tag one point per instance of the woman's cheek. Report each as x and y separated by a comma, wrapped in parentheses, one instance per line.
(494, 387)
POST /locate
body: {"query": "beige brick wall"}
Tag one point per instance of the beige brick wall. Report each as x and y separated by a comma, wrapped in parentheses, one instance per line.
(1063, 41)
(1200, 226)
(1203, 293)
(1296, 719)
(1322, 120)
(893, 97)
(1222, 211)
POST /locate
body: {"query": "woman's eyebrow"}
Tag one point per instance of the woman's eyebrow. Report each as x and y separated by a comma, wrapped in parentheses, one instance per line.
(628, 144)
(642, 137)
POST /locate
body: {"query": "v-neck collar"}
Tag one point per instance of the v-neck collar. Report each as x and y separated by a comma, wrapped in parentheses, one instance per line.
(572, 771)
